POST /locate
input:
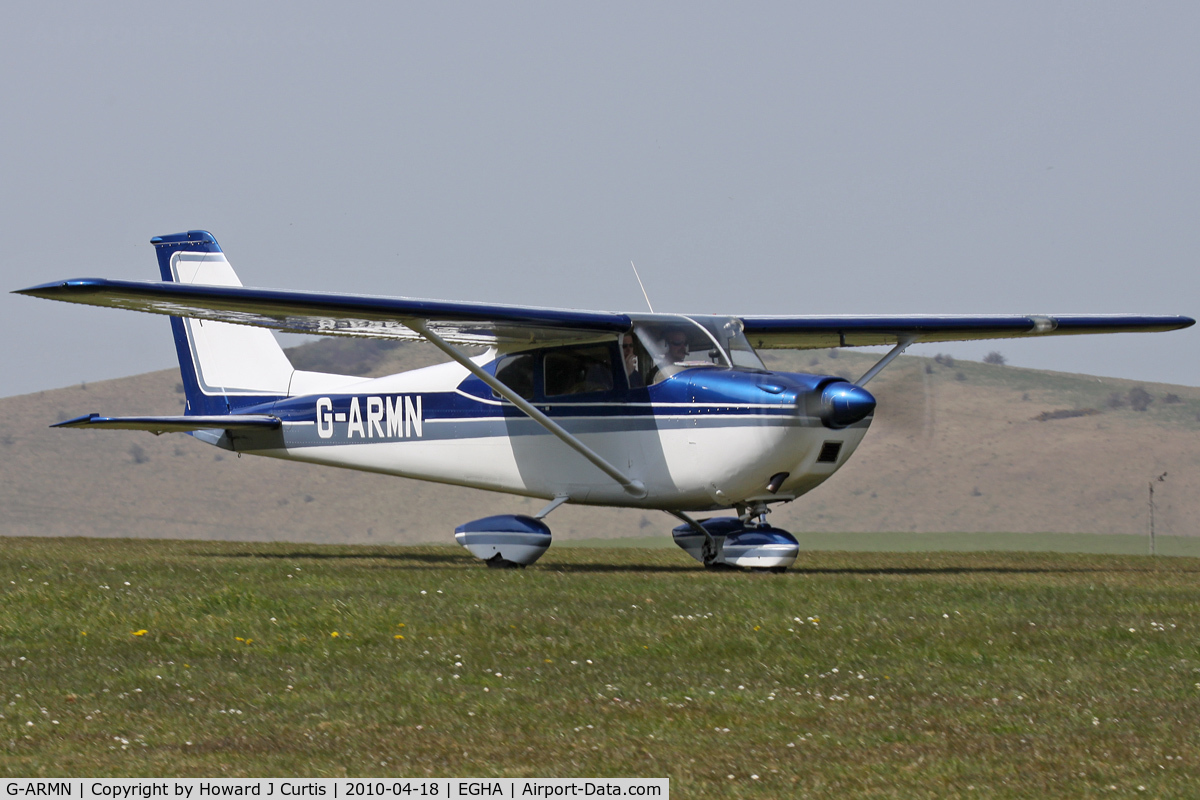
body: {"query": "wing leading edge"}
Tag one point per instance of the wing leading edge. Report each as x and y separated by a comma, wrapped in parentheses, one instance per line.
(329, 314)
(812, 332)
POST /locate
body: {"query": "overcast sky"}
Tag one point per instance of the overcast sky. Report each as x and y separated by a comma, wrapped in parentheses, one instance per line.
(750, 158)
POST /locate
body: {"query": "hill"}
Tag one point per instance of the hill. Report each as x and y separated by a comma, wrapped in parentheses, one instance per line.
(963, 447)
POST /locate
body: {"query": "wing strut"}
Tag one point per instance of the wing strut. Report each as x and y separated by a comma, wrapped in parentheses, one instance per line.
(900, 347)
(631, 486)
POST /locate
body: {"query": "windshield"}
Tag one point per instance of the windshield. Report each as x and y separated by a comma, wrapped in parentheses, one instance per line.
(729, 332)
(662, 348)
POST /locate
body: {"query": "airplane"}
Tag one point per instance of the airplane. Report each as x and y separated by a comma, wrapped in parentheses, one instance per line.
(673, 412)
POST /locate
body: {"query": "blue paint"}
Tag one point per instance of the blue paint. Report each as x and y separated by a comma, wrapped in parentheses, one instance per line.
(968, 326)
(165, 247)
(308, 312)
(505, 523)
(843, 404)
(736, 534)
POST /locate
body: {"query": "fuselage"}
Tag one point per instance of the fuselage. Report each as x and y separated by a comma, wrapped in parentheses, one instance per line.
(704, 438)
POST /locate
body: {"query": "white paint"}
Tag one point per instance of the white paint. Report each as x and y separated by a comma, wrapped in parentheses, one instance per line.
(229, 359)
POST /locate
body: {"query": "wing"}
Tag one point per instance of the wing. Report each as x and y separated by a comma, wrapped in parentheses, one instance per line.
(328, 314)
(807, 333)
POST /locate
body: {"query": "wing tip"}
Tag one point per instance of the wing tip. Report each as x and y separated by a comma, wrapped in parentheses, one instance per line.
(76, 422)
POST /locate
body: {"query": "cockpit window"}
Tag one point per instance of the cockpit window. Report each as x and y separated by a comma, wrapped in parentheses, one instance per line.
(730, 332)
(672, 347)
(578, 370)
(692, 342)
(516, 372)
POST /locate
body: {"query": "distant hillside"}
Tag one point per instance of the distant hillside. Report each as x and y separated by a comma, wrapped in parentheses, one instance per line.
(954, 447)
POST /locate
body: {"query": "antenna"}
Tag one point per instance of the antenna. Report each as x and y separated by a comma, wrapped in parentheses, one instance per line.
(639, 279)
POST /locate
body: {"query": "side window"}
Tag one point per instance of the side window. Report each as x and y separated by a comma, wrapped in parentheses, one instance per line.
(516, 372)
(578, 370)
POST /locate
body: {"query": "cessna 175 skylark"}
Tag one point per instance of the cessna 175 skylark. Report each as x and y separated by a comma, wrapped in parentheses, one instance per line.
(657, 411)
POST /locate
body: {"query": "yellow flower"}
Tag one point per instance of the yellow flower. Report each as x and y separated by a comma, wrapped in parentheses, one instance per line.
(549, 661)
(142, 632)
(238, 638)
(83, 633)
(334, 635)
(397, 636)
(401, 625)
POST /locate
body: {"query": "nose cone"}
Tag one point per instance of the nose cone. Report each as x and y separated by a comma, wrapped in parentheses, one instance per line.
(843, 404)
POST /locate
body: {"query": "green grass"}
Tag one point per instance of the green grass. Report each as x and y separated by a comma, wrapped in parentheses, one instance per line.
(918, 674)
(907, 542)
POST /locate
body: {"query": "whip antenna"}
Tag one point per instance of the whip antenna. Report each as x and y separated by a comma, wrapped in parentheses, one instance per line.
(639, 279)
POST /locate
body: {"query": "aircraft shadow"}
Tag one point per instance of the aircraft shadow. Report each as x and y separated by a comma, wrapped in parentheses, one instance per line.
(620, 568)
(965, 570)
(418, 560)
(429, 558)
(434, 559)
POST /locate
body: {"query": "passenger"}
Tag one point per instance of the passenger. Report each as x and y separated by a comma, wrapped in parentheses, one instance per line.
(632, 374)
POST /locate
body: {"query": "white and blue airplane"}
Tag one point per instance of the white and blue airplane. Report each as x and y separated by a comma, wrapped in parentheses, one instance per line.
(674, 412)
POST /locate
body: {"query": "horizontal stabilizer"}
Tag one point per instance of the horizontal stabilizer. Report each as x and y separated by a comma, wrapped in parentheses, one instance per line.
(174, 424)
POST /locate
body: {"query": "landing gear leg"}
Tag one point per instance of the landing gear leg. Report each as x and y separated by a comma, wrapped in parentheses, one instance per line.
(756, 509)
(709, 551)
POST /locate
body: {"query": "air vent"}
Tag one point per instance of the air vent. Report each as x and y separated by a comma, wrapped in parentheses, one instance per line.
(829, 453)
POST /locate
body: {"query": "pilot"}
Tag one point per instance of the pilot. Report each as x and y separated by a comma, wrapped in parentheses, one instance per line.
(677, 347)
(666, 365)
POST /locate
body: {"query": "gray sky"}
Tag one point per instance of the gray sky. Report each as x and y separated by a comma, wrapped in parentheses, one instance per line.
(765, 158)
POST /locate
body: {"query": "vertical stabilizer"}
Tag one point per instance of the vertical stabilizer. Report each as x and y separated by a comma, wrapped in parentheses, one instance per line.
(224, 367)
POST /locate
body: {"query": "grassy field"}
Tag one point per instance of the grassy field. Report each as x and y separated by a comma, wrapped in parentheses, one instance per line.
(1096, 544)
(853, 675)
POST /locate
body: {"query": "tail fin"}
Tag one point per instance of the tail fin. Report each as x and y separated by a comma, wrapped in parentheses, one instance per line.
(225, 367)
